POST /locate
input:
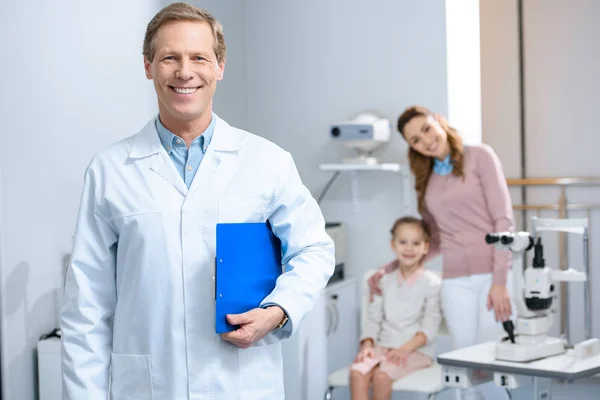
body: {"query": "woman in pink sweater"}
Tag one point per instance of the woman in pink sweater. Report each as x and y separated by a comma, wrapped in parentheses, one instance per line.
(462, 195)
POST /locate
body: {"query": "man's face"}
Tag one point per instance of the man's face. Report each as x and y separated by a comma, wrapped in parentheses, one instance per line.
(184, 70)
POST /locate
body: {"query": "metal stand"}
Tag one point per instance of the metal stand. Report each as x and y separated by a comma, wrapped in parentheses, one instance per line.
(579, 226)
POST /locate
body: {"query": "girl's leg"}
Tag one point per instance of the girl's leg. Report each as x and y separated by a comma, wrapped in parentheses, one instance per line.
(361, 375)
(415, 362)
(382, 385)
(359, 384)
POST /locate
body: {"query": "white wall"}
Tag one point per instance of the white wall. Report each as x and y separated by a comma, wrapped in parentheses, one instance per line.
(72, 82)
(313, 63)
(562, 59)
(464, 68)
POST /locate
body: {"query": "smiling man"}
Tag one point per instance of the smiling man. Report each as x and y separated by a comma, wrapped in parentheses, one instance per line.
(138, 318)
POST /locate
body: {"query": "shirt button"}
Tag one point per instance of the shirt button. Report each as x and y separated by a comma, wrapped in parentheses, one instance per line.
(168, 148)
(189, 167)
(178, 141)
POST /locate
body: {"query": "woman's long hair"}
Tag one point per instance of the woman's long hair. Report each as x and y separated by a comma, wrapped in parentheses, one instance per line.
(422, 166)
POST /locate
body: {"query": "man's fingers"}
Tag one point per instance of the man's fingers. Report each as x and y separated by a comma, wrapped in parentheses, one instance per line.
(239, 319)
(239, 338)
(235, 336)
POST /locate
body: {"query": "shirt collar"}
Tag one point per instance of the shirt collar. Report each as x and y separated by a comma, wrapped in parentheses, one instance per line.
(169, 139)
(411, 279)
(442, 167)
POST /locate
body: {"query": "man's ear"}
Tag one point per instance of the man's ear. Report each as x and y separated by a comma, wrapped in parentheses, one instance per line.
(148, 68)
(221, 70)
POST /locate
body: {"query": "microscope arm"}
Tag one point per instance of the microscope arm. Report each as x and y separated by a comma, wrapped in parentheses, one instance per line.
(569, 275)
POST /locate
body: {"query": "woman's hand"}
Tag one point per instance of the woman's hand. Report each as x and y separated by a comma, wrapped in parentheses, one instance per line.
(398, 356)
(374, 288)
(499, 300)
(366, 351)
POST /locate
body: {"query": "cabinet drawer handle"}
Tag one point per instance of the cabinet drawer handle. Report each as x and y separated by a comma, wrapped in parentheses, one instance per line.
(336, 318)
(329, 323)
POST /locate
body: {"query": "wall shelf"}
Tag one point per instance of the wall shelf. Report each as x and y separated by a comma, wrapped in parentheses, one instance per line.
(354, 169)
(361, 167)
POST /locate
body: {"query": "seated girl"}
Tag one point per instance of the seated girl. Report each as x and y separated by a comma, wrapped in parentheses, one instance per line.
(401, 323)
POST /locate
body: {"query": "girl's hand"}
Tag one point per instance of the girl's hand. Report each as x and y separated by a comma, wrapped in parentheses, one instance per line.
(399, 356)
(499, 300)
(366, 351)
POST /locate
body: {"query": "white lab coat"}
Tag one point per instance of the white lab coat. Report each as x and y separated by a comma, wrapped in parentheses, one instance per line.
(138, 314)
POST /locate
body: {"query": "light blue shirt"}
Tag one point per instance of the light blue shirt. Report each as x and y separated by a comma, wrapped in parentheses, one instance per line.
(186, 160)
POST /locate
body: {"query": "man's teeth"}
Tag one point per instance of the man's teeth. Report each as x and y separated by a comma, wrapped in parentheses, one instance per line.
(185, 90)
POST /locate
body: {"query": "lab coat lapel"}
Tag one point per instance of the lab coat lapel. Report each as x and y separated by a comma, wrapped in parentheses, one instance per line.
(220, 161)
(147, 144)
(164, 166)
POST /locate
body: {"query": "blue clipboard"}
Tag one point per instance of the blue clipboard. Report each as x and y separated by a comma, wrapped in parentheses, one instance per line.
(248, 263)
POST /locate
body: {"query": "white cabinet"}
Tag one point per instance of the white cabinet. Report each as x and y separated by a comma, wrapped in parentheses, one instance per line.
(342, 331)
(327, 340)
(305, 357)
(49, 369)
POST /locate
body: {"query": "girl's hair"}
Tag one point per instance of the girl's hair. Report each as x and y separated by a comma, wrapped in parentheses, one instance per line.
(422, 166)
(411, 221)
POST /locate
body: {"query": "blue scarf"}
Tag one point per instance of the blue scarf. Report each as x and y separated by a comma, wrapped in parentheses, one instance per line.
(442, 167)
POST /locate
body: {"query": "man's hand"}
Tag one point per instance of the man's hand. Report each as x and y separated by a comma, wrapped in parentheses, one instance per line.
(399, 356)
(253, 325)
(499, 300)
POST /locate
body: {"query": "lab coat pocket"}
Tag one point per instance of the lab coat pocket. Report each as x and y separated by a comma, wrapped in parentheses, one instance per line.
(261, 371)
(131, 377)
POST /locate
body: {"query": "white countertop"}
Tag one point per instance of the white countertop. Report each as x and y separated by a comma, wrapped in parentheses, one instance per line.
(564, 366)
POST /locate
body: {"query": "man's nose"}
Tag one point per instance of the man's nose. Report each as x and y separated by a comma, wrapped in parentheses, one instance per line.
(184, 71)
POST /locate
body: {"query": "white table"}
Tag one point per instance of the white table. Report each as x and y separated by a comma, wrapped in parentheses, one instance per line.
(563, 367)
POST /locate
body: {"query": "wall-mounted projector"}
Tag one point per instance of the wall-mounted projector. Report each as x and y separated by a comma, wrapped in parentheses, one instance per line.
(365, 133)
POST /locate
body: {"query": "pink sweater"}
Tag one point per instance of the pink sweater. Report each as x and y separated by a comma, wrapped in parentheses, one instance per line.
(460, 214)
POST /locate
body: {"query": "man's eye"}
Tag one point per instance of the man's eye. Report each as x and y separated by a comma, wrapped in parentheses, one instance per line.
(169, 58)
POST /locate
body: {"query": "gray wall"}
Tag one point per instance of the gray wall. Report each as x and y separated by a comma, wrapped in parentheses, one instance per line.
(313, 63)
(231, 97)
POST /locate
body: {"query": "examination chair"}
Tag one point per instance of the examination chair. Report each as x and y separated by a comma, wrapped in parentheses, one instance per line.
(428, 381)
